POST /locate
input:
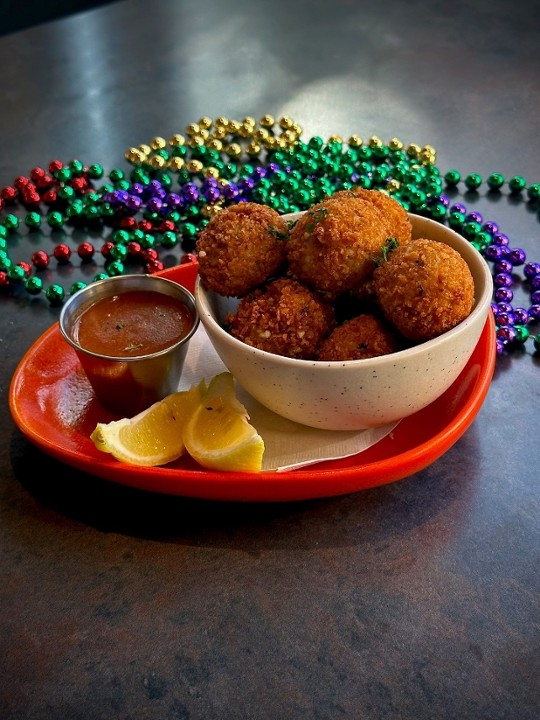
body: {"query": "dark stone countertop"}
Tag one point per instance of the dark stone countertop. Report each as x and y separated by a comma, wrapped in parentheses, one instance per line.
(413, 600)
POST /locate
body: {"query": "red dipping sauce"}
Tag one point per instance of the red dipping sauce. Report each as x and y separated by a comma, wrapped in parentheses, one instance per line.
(131, 335)
(132, 323)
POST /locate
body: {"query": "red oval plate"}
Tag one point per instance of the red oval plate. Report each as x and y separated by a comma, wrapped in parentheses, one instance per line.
(53, 405)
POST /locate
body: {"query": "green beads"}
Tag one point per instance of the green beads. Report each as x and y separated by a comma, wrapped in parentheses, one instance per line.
(55, 219)
(76, 286)
(32, 220)
(522, 333)
(115, 268)
(11, 221)
(55, 294)
(473, 181)
(16, 273)
(495, 181)
(452, 178)
(517, 184)
(33, 285)
(533, 192)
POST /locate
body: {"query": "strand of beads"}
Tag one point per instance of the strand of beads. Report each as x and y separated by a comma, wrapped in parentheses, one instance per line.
(174, 187)
(513, 322)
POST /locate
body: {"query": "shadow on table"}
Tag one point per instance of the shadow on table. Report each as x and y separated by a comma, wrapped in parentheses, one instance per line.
(389, 510)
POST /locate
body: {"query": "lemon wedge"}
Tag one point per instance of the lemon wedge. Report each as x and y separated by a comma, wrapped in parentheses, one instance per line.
(218, 434)
(155, 435)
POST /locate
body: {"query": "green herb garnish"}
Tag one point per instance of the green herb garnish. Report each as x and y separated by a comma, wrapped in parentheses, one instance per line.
(389, 246)
(279, 234)
(316, 216)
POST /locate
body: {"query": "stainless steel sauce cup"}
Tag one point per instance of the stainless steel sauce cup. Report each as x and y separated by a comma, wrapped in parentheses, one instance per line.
(128, 385)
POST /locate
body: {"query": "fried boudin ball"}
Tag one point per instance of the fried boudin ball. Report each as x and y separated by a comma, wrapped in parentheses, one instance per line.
(424, 289)
(285, 318)
(364, 336)
(241, 247)
(333, 246)
(393, 214)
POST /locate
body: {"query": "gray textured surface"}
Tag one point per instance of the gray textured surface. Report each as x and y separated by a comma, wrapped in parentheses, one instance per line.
(417, 600)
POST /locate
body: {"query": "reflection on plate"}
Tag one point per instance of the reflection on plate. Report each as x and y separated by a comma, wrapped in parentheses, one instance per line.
(54, 407)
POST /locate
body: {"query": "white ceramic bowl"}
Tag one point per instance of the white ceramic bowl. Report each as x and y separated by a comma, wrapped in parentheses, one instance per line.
(355, 394)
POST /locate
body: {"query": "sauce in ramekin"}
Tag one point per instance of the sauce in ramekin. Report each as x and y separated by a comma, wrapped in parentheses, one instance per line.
(132, 323)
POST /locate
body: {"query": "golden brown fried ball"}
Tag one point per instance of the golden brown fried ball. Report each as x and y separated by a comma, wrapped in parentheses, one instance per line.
(241, 247)
(332, 246)
(285, 318)
(364, 336)
(424, 289)
(393, 214)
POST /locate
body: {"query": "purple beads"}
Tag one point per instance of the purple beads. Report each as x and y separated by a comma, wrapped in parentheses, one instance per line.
(531, 269)
(503, 280)
(517, 256)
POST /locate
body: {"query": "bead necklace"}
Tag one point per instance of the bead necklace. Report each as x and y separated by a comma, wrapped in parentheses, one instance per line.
(174, 187)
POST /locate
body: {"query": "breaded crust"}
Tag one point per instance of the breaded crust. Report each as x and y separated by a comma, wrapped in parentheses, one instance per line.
(425, 288)
(392, 212)
(332, 247)
(241, 247)
(285, 318)
(364, 336)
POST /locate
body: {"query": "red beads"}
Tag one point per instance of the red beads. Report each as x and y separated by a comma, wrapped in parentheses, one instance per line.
(166, 226)
(55, 166)
(128, 223)
(79, 183)
(21, 182)
(106, 249)
(49, 197)
(9, 193)
(40, 259)
(86, 251)
(62, 253)
(154, 266)
(26, 267)
(37, 173)
(145, 225)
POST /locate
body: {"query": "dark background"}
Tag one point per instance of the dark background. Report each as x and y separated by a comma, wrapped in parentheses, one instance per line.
(418, 600)
(19, 14)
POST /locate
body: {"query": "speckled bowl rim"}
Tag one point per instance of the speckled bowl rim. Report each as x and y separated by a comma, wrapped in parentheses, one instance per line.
(479, 312)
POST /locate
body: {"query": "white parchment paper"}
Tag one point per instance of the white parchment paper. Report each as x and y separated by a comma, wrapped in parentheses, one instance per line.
(288, 445)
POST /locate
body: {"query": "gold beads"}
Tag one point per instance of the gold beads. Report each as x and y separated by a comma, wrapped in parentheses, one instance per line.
(254, 149)
(135, 156)
(194, 167)
(233, 150)
(157, 162)
(177, 140)
(176, 163)
(231, 138)
(205, 123)
(413, 150)
(214, 144)
(211, 172)
(158, 143)
(428, 155)
(267, 121)
(209, 211)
